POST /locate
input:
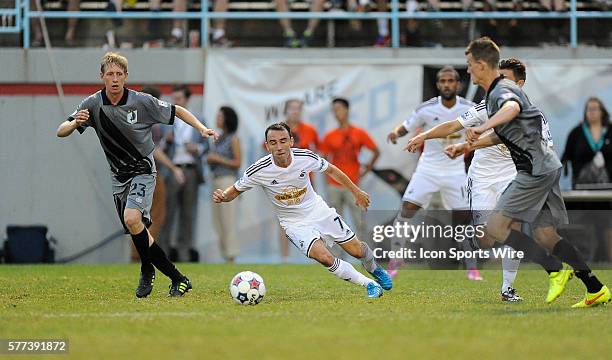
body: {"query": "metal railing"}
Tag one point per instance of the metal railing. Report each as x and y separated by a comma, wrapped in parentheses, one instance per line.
(11, 19)
(204, 15)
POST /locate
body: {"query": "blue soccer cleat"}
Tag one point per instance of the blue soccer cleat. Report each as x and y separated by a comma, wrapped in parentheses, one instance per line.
(382, 277)
(374, 290)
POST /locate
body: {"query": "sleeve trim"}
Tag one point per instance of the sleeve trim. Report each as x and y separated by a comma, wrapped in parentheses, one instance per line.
(172, 114)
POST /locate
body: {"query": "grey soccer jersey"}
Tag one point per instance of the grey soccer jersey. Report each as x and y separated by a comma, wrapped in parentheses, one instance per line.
(522, 135)
(124, 130)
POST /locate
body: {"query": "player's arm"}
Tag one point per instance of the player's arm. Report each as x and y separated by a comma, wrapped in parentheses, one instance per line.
(454, 150)
(362, 198)
(486, 141)
(67, 127)
(226, 195)
(507, 113)
(398, 132)
(190, 119)
(438, 131)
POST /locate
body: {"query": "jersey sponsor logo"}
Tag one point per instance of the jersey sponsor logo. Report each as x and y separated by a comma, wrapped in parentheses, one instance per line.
(291, 195)
(162, 103)
(132, 117)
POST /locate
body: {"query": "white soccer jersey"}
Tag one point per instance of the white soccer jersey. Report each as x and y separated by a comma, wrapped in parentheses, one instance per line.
(428, 115)
(288, 188)
(494, 163)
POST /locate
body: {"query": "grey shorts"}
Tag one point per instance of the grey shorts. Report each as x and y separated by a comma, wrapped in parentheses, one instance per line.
(135, 194)
(534, 199)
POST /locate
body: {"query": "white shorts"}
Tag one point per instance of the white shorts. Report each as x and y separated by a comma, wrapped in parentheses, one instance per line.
(331, 229)
(483, 197)
(423, 185)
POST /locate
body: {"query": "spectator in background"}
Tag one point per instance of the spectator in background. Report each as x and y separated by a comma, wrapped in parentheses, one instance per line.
(224, 160)
(73, 5)
(304, 135)
(185, 148)
(588, 147)
(218, 28)
(342, 147)
(158, 209)
(289, 35)
(117, 6)
(589, 150)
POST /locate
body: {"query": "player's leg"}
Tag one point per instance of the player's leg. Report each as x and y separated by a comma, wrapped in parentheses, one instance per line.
(596, 292)
(136, 213)
(510, 267)
(360, 250)
(454, 195)
(417, 196)
(307, 238)
(342, 269)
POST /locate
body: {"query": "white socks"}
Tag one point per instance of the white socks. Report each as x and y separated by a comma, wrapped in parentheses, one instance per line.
(347, 272)
(509, 267)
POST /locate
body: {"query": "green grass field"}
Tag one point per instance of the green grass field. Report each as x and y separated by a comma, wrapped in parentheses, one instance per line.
(307, 314)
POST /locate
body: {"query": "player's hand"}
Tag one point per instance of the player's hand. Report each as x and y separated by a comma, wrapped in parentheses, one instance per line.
(415, 143)
(179, 176)
(206, 132)
(452, 151)
(362, 199)
(219, 196)
(472, 134)
(81, 117)
(392, 137)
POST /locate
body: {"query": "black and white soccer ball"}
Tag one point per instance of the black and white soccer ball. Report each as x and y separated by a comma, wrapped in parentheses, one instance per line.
(247, 288)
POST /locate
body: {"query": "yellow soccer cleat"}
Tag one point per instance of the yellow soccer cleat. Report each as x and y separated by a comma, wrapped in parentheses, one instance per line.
(556, 283)
(603, 296)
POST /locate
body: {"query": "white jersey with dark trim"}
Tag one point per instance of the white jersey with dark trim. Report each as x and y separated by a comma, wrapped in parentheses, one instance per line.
(289, 189)
(428, 115)
(494, 163)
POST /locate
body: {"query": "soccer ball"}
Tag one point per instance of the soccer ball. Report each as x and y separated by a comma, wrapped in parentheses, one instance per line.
(247, 288)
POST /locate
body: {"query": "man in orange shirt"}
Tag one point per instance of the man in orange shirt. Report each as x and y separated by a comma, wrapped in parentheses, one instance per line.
(305, 137)
(342, 147)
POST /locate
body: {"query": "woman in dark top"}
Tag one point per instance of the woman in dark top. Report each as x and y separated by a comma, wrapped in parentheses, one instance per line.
(589, 146)
(224, 161)
(589, 150)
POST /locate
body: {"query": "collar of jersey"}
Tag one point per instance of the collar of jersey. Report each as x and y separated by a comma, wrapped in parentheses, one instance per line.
(494, 83)
(282, 168)
(123, 101)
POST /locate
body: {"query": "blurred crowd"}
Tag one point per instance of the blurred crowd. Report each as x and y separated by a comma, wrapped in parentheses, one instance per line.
(184, 33)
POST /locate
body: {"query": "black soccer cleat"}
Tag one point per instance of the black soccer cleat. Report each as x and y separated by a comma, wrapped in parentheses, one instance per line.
(145, 285)
(179, 288)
